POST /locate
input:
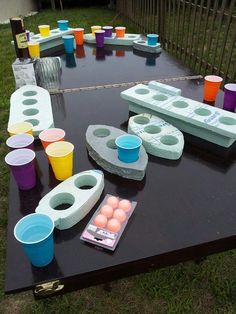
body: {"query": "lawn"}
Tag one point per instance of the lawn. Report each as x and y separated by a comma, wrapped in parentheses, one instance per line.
(208, 286)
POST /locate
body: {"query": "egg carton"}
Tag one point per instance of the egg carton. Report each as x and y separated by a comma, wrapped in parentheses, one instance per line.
(102, 233)
(127, 40)
(32, 104)
(159, 138)
(100, 141)
(210, 123)
(81, 191)
(53, 40)
(143, 46)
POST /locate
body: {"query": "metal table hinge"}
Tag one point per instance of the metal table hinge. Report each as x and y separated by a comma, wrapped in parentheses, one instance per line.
(48, 288)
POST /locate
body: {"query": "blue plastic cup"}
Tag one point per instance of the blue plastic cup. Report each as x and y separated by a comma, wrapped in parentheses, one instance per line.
(128, 147)
(68, 43)
(152, 39)
(35, 233)
(63, 25)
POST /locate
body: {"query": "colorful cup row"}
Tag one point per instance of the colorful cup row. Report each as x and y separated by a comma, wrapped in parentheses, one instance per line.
(212, 85)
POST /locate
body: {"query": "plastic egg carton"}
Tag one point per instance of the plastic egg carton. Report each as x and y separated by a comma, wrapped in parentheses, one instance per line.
(127, 40)
(32, 104)
(210, 123)
(73, 191)
(142, 45)
(53, 40)
(100, 142)
(108, 222)
(159, 138)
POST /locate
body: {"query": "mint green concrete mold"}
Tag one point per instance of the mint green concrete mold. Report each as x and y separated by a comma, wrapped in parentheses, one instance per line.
(32, 104)
(100, 142)
(81, 191)
(159, 137)
(210, 123)
(142, 45)
(127, 40)
(53, 40)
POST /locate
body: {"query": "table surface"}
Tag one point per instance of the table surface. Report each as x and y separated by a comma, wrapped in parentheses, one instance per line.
(186, 208)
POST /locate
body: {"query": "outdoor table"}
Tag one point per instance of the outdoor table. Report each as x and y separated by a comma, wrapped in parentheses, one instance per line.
(186, 208)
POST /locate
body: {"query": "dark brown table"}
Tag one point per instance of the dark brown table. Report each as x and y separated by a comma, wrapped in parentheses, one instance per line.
(186, 208)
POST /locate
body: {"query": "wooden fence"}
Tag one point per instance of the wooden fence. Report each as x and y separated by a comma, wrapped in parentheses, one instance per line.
(202, 33)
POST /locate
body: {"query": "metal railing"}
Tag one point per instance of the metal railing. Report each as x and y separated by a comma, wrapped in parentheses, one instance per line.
(202, 33)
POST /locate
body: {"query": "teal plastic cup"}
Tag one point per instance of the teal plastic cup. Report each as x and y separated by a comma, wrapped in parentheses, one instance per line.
(63, 25)
(128, 147)
(35, 233)
(68, 43)
(152, 39)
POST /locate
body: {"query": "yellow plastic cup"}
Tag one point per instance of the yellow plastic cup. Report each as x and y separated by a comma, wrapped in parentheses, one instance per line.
(95, 28)
(20, 128)
(44, 30)
(34, 49)
(60, 155)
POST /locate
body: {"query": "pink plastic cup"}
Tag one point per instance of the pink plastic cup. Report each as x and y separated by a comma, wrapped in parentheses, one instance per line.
(51, 135)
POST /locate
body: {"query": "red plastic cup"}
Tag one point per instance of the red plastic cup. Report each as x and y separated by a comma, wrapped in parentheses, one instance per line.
(22, 165)
(79, 36)
(211, 87)
(51, 136)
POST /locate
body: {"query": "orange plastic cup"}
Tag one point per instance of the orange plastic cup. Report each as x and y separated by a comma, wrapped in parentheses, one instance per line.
(211, 87)
(79, 36)
(120, 31)
(50, 136)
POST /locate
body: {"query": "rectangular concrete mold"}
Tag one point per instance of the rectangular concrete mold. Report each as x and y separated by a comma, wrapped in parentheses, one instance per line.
(32, 104)
(53, 40)
(210, 123)
(125, 41)
(142, 45)
(159, 138)
(81, 192)
(100, 141)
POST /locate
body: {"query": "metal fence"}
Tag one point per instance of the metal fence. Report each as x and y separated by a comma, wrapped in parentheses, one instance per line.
(200, 32)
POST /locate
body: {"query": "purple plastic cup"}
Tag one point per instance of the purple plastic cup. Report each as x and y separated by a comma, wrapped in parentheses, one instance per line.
(108, 30)
(20, 141)
(100, 38)
(230, 97)
(22, 164)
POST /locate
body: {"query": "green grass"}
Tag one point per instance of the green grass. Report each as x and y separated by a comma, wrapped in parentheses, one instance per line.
(207, 287)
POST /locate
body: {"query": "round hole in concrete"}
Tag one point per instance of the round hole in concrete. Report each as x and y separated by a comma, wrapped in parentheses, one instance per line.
(152, 129)
(30, 112)
(160, 97)
(62, 201)
(85, 182)
(227, 120)
(111, 144)
(180, 104)
(29, 101)
(34, 122)
(101, 132)
(202, 112)
(169, 140)
(142, 91)
(141, 120)
(30, 93)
